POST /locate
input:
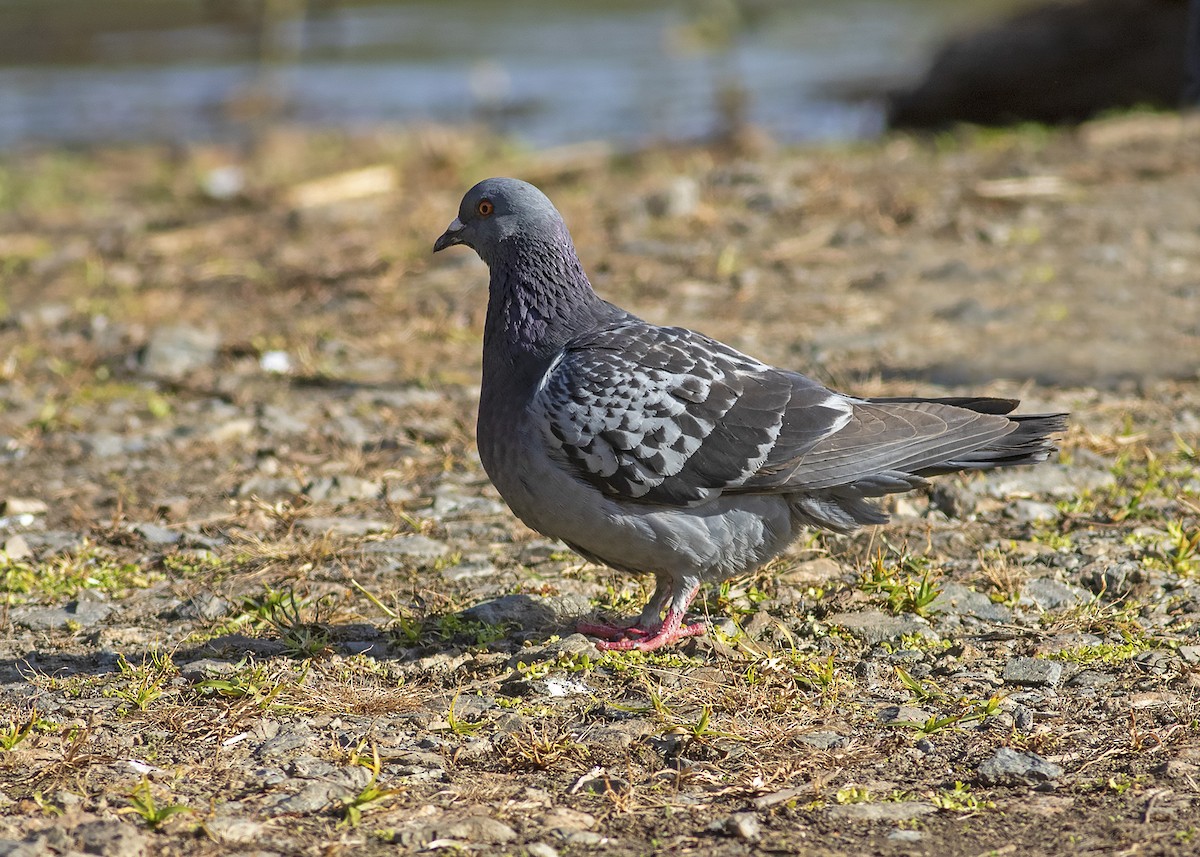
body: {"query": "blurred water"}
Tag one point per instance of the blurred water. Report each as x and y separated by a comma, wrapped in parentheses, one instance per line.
(79, 71)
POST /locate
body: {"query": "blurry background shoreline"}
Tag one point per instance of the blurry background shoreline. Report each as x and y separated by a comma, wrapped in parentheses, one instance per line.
(633, 73)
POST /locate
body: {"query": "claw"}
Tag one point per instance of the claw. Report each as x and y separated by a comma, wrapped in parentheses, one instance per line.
(655, 641)
(606, 631)
(671, 630)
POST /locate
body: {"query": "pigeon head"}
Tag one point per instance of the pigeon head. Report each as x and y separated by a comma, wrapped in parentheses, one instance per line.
(539, 295)
(499, 212)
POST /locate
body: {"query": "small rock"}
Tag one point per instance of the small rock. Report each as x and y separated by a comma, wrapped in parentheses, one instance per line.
(823, 740)
(25, 506)
(416, 547)
(906, 836)
(110, 839)
(84, 613)
(232, 830)
(205, 605)
(681, 198)
(745, 826)
(1053, 480)
(175, 351)
(875, 626)
(1011, 767)
(1050, 594)
(883, 811)
(1031, 511)
(223, 183)
(1091, 678)
(343, 526)
(475, 828)
(564, 820)
(1033, 672)
(953, 499)
(955, 598)
(1022, 717)
(541, 849)
(156, 535)
(342, 489)
(901, 714)
(472, 569)
(17, 548)
(1190, 654)
(275, 362)
(529, 611)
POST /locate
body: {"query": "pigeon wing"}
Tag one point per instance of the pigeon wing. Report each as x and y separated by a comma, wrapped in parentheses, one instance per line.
(669, 416)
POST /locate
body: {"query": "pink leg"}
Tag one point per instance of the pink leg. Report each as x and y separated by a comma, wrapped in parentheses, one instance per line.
(670, 630)
(606, 631)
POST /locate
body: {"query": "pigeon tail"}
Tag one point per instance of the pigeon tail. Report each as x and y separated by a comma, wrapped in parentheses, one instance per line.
(845, 508)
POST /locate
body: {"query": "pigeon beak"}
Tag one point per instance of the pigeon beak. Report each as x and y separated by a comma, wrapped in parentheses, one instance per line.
(450, 237)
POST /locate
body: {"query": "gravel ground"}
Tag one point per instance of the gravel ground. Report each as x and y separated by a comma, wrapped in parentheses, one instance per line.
(259, 597)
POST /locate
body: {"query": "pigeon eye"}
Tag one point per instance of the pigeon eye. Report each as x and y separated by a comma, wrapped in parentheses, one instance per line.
(485, 208)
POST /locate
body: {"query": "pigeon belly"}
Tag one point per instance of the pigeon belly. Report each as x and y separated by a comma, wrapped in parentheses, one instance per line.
(713, 541)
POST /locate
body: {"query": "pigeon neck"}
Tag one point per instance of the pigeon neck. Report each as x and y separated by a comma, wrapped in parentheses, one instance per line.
(539, 298)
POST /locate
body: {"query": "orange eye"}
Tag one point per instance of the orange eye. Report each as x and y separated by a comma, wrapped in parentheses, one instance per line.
(485, 208)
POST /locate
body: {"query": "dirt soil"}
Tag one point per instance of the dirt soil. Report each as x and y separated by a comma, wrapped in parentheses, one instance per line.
(259, 597)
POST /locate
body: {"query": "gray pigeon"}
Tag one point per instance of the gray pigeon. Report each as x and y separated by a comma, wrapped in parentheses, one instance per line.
(658, 449)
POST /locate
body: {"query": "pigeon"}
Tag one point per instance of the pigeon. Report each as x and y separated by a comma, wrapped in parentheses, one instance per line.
(658, 450)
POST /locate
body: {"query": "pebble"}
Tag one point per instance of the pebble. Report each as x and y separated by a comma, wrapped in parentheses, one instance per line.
(823, 740)
(875, 626)
(956, 600)
(1011, 767)
(1033, 672)
(342, 489)
(343, 526)
(681, 198)
(902, 714)
(745, 826)
(541, 849)
(883, 811)
(84, 613)
(157, 535)
(469, 570)
(1031, 511)
(17, 548)
(472, 829)
(14, 506)
(529, 611)
(175, 351)
(234, 830)
(1052, 480)
(564, 820)
(416, 547)
(1090, 678)
(1050, 594)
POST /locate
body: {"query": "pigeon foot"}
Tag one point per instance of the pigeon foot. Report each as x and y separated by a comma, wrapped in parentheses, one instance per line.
(672, 631)
(606, 631)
